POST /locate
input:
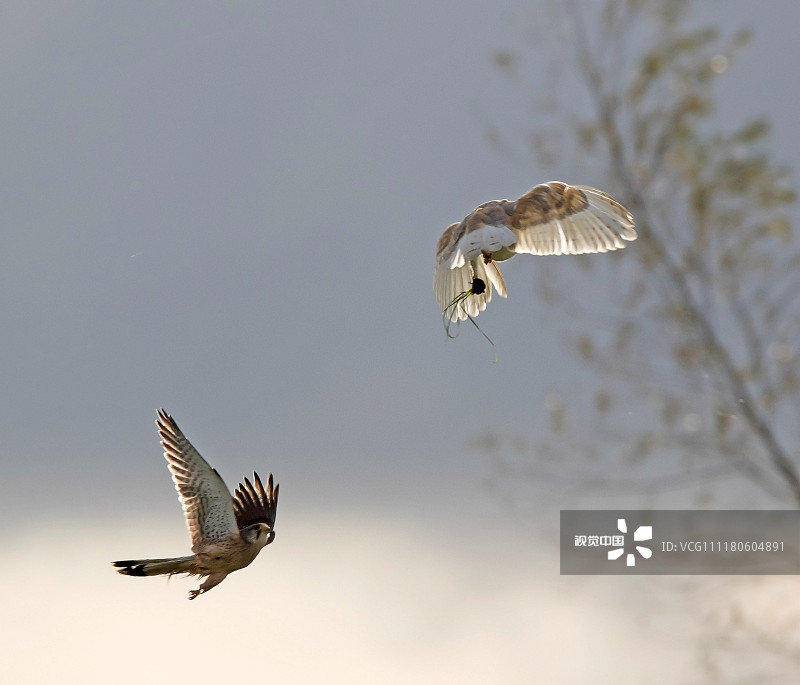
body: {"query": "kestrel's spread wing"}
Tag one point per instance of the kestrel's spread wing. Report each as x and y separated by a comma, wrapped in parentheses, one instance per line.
(253, 504)
(205, 498)
(551, 218)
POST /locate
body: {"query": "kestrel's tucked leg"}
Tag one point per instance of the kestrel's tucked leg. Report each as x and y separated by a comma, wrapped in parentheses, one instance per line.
(211, 581)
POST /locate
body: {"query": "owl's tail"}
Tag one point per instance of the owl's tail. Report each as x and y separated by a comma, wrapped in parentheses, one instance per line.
(155, 567)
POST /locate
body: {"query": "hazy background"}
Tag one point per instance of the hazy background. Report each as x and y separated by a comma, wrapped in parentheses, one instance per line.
(230, 211)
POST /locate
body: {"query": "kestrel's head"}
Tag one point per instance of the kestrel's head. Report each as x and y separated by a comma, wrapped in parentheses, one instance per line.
(258, 534)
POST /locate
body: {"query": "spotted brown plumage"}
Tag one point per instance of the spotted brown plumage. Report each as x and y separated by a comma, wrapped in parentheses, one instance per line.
(227, 533)
(550, 219)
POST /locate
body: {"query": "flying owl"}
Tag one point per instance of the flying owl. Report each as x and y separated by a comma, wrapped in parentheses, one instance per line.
(551, 218)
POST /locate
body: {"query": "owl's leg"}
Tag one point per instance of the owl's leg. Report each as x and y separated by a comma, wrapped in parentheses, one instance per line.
(211, 581)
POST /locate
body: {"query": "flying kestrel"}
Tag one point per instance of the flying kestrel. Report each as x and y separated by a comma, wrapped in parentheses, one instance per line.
(551, 218)
(227, 532)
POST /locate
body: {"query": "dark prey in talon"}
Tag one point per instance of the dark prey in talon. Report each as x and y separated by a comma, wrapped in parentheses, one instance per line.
(478, 286)
(550, 219)
(227, 532)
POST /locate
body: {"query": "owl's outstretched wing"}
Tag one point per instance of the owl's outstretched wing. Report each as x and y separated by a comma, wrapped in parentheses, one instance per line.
(203, 494)
(556, 218)
(551, 218)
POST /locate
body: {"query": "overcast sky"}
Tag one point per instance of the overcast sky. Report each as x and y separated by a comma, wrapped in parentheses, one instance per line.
(229, 210)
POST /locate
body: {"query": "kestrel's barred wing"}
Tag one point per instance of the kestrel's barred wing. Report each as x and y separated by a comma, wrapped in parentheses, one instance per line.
(203, 494)
(551, 218)
(254, 504)
(555, 218)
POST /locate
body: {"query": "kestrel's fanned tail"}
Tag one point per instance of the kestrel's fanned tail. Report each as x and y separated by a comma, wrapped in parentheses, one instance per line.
(155, 567)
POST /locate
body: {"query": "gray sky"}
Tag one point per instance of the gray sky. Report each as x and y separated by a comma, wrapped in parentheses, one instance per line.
(230, 211)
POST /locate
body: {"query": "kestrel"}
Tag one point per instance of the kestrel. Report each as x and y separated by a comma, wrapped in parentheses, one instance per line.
(227, 532)
(551, 218)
